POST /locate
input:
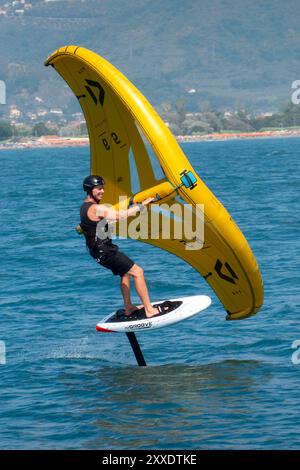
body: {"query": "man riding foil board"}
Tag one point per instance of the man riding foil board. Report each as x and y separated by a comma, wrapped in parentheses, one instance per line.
(95, 218)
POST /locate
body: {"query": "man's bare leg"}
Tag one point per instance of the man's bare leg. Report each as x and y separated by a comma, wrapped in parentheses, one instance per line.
(141, 288)
(125, 288)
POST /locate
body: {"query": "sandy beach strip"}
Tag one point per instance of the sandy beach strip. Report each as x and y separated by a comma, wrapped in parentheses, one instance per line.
(57, 141)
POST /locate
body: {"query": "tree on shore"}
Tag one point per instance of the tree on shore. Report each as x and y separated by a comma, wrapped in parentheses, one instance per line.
(6, 130)
(40, 129)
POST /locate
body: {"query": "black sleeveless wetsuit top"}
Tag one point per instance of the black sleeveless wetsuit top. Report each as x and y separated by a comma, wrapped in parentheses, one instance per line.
(98, 240)
(89, 227)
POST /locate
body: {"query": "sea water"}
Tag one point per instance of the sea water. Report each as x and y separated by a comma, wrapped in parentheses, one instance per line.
(209, 384)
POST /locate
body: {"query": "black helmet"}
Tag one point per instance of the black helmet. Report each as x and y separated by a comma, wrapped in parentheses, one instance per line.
(91, 181)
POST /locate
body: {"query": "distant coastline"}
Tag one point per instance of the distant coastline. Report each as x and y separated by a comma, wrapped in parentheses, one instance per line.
(232, 135)
(57, 141)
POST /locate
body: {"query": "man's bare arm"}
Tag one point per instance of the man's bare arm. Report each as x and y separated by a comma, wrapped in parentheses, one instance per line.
(111, 214)
(99, 211)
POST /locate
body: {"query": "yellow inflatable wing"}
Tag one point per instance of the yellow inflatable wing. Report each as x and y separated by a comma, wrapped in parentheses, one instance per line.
(120, 121)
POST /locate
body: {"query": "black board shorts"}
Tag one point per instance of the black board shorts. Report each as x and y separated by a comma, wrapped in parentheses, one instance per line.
(109, 256)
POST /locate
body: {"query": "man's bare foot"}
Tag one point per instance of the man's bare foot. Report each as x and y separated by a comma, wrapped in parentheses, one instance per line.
(151, 312)
(131, 308)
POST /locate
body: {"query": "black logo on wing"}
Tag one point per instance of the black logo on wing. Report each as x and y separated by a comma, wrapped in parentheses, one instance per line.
(96, 91)
(224, 275)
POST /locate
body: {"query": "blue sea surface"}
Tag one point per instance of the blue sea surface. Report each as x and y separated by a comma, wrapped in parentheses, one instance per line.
(210, 384)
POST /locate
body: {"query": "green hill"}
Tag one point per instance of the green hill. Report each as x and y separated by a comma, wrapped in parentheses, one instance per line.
(230, 52)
